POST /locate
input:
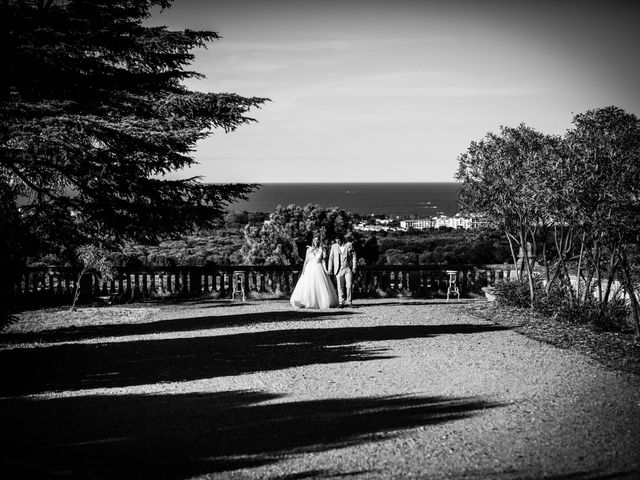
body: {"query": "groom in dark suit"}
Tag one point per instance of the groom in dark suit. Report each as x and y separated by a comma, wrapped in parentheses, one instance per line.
(342, 264)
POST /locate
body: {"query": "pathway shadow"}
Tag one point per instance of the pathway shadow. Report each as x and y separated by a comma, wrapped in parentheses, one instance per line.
(179, 436)
(76, 366)
(165, 326)
(322, 474)
(596, 475)
(410, 303)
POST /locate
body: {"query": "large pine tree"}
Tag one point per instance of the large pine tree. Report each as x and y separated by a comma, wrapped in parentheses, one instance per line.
(93, 112)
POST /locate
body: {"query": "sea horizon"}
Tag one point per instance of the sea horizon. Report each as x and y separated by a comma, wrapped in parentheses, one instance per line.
(424, 199)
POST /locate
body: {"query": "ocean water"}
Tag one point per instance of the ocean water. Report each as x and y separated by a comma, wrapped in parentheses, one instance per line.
(422, 199)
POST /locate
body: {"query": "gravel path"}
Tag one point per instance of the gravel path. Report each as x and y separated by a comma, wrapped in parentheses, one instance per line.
(392, 389)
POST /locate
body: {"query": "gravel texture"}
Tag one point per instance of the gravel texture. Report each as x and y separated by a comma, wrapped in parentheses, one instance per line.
(618, 349)
(391, 389)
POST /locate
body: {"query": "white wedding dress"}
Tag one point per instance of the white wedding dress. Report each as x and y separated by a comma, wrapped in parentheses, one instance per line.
(314, 288)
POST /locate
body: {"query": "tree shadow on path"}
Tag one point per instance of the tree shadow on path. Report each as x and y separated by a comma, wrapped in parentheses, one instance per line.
(76, 366)
(67, 334)
(178, 436)
(413, 303)
(616, 474)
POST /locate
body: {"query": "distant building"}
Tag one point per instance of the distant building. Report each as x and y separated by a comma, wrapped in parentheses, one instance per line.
(417, 224)
(380, 224)
(457, 221)
(363, 227)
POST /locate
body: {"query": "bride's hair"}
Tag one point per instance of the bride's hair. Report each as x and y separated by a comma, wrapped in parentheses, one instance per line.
(319, 237)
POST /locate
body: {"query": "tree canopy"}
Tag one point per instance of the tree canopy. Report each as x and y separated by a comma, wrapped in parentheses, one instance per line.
(575, 200)
(281, 240)
(604, 145)
(505, 177)
(94, 113)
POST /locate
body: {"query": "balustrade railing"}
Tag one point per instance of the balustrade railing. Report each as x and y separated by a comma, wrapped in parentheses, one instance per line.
(419, 281)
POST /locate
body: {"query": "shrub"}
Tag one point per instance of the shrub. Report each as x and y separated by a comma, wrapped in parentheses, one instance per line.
(398, 257)
(194, 260)
(613, 317)
(610, 317)
(514, 293)
(95, 261)
(552, 302)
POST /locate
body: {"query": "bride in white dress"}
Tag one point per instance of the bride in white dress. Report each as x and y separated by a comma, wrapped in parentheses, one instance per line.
(314, 288)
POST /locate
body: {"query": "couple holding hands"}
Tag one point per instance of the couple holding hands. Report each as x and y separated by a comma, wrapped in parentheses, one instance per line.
(314, 288)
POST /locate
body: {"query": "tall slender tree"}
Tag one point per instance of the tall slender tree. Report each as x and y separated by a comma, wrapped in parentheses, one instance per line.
(504, 178)
(604, 146)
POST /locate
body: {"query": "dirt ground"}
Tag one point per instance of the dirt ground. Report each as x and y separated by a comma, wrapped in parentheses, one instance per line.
(391, 389)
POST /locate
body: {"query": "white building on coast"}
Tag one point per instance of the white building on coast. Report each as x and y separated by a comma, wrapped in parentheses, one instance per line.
(457, 221)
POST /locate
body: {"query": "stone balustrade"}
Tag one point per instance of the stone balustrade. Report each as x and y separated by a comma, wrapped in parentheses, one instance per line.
(250, 281)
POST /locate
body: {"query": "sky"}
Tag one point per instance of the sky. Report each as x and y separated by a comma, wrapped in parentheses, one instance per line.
(396, 90)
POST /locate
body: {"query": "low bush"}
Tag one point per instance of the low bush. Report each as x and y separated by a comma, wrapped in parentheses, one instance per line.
(551, 302)
(557, 303)
(515, 293)
(609, 317)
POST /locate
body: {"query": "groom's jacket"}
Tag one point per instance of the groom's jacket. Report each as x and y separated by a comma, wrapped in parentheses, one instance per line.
(342, 262)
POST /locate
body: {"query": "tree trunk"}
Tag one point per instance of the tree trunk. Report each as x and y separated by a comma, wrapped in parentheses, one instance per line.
(613, 267)
(563, 247)
(556, 274)
(596, 261)
(635, 307)
(513, 255)
(579, 272)
(527, 264)
(547, 273)
(593, 271)
(588, 281)
(76, 293)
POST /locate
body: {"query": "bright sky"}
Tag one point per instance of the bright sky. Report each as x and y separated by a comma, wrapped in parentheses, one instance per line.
(394, 91)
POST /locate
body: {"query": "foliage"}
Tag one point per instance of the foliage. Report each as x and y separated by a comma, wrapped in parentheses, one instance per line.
(222, 245)
(444, 247)
(219, 246)
(14, 240)
(604, 147)
(514, 293)
(610, 317)
(570, 204)
(282, 239)
(505, 178)
(95, 262)
(395, 256)
(95, 258)
(368, 248)
(556, 303)
(94, 114)
(553, 301)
